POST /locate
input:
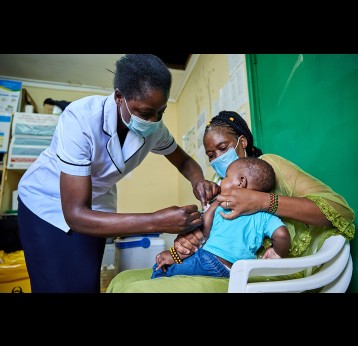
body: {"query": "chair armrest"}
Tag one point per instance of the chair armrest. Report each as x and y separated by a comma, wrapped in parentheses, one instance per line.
(243, 269)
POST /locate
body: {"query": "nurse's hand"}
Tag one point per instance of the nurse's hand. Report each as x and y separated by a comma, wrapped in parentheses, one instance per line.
(205, 191)
(176, 220)
(188, 243)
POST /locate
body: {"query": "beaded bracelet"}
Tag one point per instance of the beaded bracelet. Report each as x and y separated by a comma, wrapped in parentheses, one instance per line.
(175, 255)
(273, 203)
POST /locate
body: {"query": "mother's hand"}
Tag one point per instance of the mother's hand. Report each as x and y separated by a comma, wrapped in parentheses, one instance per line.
(242, 201)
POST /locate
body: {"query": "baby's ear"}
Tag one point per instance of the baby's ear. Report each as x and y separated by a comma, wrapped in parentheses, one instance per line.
(243, 183)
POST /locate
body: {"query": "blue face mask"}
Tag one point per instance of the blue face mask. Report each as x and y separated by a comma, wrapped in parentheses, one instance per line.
(139, 126)
(221, 163)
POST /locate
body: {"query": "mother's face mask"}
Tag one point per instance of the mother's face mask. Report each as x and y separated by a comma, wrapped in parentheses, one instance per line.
(221, 163)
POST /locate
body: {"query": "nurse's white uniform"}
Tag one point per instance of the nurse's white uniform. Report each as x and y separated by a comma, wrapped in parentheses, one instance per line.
(85, 143)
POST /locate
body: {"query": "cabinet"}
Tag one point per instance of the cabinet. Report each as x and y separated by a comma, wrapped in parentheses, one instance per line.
(33, 134)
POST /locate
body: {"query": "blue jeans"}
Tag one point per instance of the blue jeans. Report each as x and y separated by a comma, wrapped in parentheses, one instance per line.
(201, 262)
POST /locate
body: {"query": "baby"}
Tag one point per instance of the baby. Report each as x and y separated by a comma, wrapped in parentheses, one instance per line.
(230, 240)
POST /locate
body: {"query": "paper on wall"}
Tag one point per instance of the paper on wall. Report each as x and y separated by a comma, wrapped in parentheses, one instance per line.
(34, 124)
(10, 95)
(5, 122)
(31, 134)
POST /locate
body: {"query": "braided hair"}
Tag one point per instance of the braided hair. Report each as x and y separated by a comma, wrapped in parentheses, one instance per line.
(232, 123)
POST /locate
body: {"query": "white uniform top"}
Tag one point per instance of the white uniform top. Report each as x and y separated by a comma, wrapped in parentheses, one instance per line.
(85, 143)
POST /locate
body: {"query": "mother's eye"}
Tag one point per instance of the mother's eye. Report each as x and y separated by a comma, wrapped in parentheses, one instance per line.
(223, 149)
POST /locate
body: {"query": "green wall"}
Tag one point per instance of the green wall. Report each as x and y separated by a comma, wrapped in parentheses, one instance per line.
(305, 108)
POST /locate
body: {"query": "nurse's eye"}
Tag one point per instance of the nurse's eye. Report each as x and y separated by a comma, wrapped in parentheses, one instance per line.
(151, 116)
(145, 116)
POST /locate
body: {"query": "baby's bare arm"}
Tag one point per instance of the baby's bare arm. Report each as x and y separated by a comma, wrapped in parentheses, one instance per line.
(208, 217)
(280, 244)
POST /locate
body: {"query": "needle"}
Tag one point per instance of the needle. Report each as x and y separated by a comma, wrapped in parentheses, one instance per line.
(211, 201)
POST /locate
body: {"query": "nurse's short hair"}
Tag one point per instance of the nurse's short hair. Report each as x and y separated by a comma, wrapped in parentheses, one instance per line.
(139, 74)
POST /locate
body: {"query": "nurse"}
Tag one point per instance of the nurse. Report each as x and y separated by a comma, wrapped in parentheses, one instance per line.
(67, 198)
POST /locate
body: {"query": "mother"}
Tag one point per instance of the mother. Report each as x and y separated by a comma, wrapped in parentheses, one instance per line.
(311, 210)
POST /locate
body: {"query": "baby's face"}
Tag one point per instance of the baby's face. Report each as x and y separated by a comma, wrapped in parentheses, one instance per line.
(233, 175)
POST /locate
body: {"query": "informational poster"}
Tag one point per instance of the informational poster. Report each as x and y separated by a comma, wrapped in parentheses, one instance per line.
(200, 152)
(189, 142)
(234, 60)
(5, 122)
(200, 128)
(234, 93)
(34, 124)
(215, 108)
(31, 134)
(10, 95)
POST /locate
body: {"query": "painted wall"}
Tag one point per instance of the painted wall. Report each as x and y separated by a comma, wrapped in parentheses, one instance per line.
(202, 89)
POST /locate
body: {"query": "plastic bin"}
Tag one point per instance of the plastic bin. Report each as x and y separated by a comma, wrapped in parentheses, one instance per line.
(14, 277)
(137, 252)
(108, 255)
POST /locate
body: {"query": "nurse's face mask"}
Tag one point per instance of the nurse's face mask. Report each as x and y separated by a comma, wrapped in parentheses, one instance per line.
(140, 126)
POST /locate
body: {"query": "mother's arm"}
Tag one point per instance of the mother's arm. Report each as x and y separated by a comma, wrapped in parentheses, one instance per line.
(302, 197)
(246, 201)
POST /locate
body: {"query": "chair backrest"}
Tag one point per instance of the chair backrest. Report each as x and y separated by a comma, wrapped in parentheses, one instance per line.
(334, 275)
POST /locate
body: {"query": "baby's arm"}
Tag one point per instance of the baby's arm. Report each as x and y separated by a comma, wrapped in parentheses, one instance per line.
(280, 244)
(165, 258)
(207, 218)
